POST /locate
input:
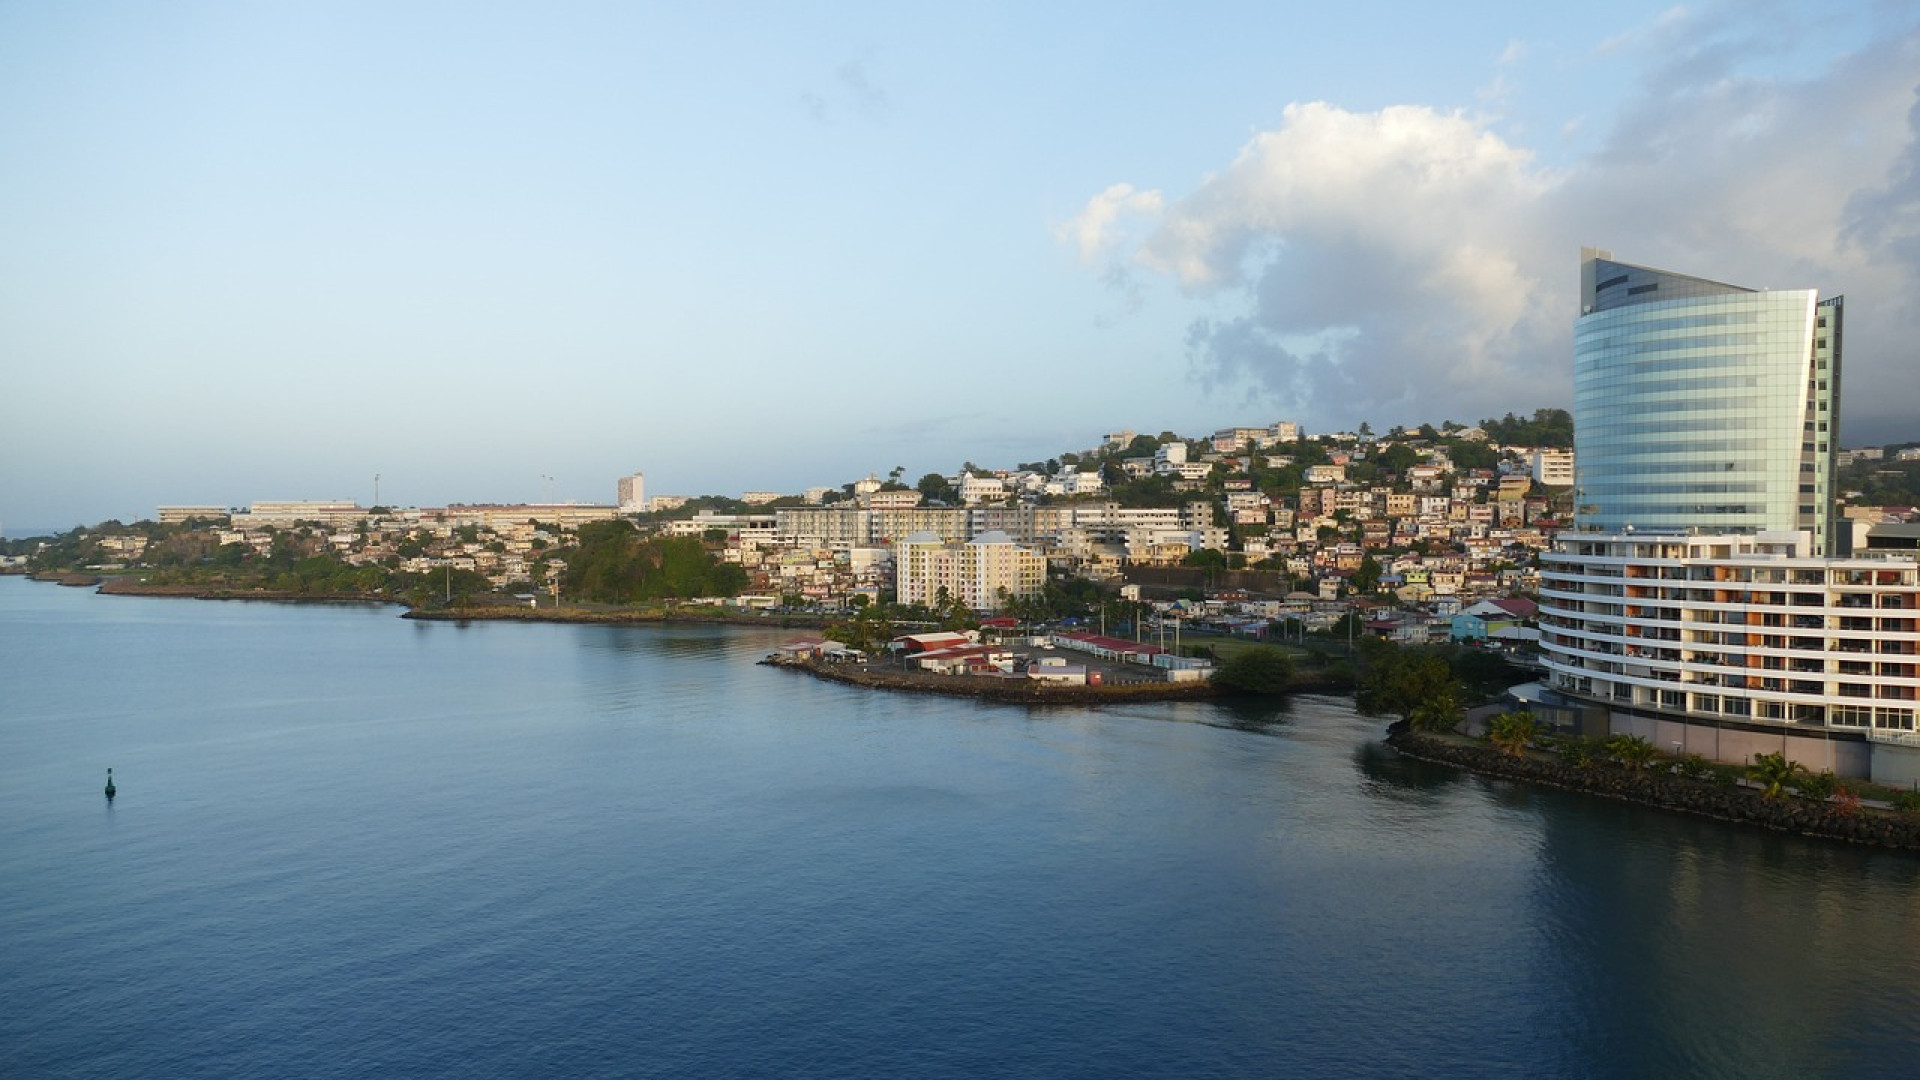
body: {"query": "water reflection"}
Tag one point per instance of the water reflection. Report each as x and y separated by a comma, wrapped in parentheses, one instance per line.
(1730, 950)
(1390, 773)
(1259, 716)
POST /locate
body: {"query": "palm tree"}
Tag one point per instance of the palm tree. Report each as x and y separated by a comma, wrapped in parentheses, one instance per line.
(1633, 751)
(1512, 732)
(1773, 772)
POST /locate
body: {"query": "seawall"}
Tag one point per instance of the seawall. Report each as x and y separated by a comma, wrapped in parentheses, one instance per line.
(1668, 792)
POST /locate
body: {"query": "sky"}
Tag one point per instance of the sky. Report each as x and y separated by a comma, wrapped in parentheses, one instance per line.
(510, 252)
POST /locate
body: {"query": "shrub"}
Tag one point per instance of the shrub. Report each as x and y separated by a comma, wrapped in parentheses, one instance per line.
(1694, 767)
(1846, 800)
(1816, 787)
(1262, 669)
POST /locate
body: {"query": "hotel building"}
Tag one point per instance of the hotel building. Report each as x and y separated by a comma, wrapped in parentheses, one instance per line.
(1700, 602)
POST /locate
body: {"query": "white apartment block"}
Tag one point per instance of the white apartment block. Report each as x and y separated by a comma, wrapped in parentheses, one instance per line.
(1732, 645)
(830, 526)
(979, 573)
(1076, 483)
(277, 514)
(978, 489)
(894, 500)
(1553, 467)
(174, 515)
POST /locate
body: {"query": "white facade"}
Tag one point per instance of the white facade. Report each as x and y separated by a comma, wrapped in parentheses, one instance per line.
(1754, 630)
(1553, 467)
(977, 489)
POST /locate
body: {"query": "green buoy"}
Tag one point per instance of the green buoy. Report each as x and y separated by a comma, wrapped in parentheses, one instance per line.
(109, 784)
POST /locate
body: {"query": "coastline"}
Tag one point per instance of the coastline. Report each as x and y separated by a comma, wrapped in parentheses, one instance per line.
(610, 616)
(119, 585)
(1009, 690)
(1031, 691)
(1738, 805)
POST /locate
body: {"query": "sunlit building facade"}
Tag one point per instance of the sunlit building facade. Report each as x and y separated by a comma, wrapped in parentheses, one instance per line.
(1700, 601)
(982, 573)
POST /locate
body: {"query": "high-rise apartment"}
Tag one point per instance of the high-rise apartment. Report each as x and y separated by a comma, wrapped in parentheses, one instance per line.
(1699, 602)
(1703, 405)
(982, 573)
(632, 493)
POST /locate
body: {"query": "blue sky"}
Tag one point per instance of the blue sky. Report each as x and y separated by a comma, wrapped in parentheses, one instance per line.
(258, 251)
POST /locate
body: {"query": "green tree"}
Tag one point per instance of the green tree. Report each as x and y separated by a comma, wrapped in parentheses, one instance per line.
(612, 563)
(1633, 751)
(1578, 752)
(1366, 579)
(1817, 786)
(1773, 772)
(1470, 454)
(1513, 732)
(937, 488)
(1418, 687)
(1206, 559)
(1261, 669)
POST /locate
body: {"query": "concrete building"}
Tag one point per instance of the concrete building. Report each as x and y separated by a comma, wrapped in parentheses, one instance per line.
(631, 494)
(979, 573)
(1553, 468)
(175, 515)
(286, 513)
(1730, 645)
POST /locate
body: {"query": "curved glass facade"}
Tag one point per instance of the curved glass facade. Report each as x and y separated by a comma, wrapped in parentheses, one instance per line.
(1699, 405)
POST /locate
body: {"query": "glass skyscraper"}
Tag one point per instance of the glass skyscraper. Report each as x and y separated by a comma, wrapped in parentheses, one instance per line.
(1701, 405)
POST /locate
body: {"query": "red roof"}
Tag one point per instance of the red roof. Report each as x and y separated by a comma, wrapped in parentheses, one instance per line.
(1114, 644)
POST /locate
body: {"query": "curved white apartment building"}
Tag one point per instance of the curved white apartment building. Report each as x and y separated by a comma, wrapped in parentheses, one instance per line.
(1730, 645)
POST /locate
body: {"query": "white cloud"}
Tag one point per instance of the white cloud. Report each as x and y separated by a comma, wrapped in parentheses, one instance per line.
(1399, 264)
(1095, 229)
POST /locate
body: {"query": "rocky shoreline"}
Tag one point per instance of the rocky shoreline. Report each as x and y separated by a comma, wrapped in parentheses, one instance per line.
(1664, 791)
(121, 586)
(610, 616)
(71, 578)
(1010, 690)
(1031, 691)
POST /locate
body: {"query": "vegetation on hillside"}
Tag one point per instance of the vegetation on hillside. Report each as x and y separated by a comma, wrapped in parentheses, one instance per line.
(1548, 427)
(612, 563)
(1881, 483)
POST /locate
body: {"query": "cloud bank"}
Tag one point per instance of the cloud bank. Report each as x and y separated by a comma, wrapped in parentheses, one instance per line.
(1411, 263)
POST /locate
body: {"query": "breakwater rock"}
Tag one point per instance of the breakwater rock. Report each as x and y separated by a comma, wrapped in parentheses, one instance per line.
(1650, 787)
(609, 616)
(1014, 690)
(73, 578)
(125, 586)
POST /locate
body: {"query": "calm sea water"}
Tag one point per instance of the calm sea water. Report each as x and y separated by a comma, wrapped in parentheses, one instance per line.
(348, 845)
